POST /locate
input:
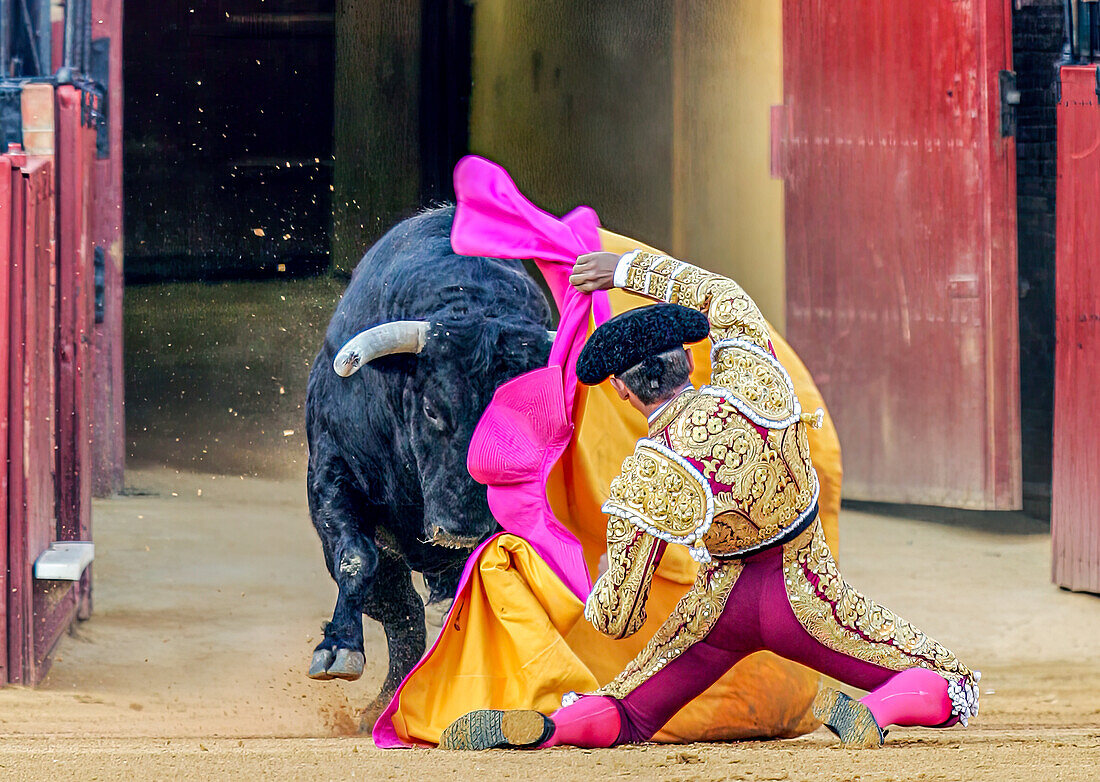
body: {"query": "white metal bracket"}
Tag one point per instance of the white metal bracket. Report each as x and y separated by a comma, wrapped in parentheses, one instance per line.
(65, 561)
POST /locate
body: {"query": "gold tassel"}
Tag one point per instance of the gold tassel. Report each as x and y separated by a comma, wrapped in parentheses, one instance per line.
(815, 420)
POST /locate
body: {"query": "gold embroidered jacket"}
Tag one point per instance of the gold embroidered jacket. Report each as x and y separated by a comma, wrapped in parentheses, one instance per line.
(725, 470)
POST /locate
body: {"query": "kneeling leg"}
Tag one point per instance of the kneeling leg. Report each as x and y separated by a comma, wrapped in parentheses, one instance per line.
(817, 619)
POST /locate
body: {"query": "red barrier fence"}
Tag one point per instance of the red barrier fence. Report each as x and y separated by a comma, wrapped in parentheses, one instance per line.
(46, 309)
(1075, 491)
(32, 392)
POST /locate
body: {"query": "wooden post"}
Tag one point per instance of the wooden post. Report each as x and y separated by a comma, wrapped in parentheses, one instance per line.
(76, 291)
(575, 100)
(108, 439)
(38, 119)
(32, 524)
(5, 346)
(376, 177)
(1075, 490)
(727, 210)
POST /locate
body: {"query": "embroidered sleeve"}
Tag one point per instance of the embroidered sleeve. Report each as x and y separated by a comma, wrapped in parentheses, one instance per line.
(732, 313)
(616, 606)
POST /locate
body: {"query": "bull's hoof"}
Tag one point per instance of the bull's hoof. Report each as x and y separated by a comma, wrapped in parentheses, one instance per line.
(319, 665)
(348, 665)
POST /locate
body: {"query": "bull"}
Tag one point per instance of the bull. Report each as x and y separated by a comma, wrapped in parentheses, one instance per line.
(419, 342)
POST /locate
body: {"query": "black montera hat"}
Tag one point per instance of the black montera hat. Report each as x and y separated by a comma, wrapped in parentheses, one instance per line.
(634, 336)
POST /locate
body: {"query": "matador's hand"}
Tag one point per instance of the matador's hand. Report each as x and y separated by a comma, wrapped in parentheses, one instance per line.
(594, 272)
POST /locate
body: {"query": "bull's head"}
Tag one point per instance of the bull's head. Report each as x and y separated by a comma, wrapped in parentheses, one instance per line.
(457, 370)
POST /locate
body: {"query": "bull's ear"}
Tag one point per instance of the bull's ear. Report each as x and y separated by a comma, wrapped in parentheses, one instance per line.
(398, 336)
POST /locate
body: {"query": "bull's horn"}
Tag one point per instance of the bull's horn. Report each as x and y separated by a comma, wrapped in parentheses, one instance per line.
(399, 336)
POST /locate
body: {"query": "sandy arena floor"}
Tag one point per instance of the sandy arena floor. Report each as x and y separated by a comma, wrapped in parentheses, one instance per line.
(210, 591)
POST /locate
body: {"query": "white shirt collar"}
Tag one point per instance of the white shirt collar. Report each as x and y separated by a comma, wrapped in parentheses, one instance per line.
(668, 401)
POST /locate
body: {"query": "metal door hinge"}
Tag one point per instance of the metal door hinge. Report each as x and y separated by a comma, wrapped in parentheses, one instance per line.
(99, 271)
(101, 77)
(1010, 99)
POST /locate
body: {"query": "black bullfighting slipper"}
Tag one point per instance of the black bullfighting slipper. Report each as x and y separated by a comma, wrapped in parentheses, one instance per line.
(850, 720)
(495, 728)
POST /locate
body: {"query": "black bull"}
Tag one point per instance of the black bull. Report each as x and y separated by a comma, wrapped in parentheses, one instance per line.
(389, 492)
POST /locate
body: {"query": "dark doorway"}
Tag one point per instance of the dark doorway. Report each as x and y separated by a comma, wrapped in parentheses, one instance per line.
(228, 138)
(1037, 35)
(444, 95)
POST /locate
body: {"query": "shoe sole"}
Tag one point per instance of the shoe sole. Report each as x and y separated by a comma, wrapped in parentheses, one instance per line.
(494, 728)
(848, 719)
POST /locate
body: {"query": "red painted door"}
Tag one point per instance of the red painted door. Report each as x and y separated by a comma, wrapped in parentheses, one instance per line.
(901, 252)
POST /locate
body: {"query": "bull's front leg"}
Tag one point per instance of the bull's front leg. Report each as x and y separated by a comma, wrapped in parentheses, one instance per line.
(340, 654)
(393, 601)
(351, 556)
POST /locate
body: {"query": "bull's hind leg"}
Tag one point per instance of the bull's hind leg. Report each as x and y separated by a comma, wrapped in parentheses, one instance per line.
(393, 601)
(351, 557)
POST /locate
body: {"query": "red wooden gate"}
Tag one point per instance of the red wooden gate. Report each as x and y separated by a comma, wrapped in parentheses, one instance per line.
(47, 330)
(47, 304)
(1075, 494)
(901, 257)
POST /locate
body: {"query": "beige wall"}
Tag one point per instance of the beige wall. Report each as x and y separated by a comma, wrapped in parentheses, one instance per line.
(573, 99)
(728, 211)
(655, 112)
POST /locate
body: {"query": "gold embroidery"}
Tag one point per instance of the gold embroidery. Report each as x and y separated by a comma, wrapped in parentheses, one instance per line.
(692, 619)
(616, 605)
(733, 532)
(847, 622)
(758, 382)
(657, 491)
(672, 409)
(761, 487)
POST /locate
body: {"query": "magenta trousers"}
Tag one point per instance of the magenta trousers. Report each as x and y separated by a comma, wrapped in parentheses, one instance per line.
(757, 617)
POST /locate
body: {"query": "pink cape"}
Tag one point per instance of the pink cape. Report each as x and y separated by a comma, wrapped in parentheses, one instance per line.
(529, 423)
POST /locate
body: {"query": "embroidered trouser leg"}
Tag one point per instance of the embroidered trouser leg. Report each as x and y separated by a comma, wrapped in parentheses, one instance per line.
(842, 621)
(741, 606)
(679, 662)
(756, 617)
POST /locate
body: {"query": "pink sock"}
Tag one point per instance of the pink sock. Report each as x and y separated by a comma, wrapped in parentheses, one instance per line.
(917, 696)
(591, 722)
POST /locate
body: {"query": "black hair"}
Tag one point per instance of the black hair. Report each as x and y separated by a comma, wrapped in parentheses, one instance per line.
(656, 378)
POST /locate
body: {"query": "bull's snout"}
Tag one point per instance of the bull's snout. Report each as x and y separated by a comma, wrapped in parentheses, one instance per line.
(440, 537)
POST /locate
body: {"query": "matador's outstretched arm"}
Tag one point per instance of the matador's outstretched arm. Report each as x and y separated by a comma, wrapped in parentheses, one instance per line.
(732, 313)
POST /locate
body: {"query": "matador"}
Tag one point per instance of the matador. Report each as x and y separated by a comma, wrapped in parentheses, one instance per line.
(725, 471)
